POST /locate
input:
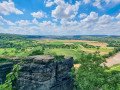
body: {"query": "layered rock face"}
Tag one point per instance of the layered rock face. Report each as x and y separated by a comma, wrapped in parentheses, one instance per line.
(44, 73)
(4, 70)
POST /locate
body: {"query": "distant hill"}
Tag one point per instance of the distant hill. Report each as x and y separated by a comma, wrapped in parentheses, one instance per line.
(11, 36)
(75, 37)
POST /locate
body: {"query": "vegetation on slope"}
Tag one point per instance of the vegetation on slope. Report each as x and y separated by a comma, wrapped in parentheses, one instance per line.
(91, 75)
(10, 78)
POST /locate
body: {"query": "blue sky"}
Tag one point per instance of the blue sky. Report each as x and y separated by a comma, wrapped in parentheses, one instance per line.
(60, 17)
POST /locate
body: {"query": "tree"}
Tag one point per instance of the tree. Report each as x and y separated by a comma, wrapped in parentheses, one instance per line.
(90, 75)
(37, 51)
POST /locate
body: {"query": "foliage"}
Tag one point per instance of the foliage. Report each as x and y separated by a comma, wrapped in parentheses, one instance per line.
(3, 60)
(92, 75)
(116, 50)
(10, 78)
(37, 51)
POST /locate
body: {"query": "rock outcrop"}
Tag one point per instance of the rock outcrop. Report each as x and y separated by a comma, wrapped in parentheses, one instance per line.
(41, 73)
(44, 73)
(5, 68)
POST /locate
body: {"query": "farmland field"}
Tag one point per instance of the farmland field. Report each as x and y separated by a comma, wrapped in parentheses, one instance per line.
(20, 46)
(68, 47)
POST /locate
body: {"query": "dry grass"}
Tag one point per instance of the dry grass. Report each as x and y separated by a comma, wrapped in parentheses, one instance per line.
(76, 66)
(101, 44)
(94, 43)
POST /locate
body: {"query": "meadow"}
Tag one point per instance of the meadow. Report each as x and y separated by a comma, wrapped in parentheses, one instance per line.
(70, 48)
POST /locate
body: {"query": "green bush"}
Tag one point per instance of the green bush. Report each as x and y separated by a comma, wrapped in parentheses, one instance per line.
(37, 51)
(10, 78)
(92, 75)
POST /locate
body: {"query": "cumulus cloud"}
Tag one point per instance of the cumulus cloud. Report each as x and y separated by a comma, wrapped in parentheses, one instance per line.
(7, 8)
(97, 4)
(34, 21)
(49, 3)
(83, 15)
(4, 21)
(105, 19)
(38, 14)
(91, 18)
(23, 22)
(65, 10)
(91, 24)
(46, 23)
(118, 16)
(115, 1)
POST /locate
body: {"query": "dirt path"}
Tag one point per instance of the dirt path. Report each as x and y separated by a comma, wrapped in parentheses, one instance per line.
(114, 60)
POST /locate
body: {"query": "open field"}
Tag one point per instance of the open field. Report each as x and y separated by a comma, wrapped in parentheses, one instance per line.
(72, 48)
(21, 47)
(103, 46)
(94, 43)
(67, 52)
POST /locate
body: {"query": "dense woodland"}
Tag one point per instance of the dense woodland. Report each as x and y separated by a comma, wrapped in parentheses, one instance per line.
(91, 75)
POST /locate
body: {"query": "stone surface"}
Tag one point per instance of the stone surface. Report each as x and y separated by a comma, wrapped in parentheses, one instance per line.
(43, 73)
(40, 59)
(5, 68)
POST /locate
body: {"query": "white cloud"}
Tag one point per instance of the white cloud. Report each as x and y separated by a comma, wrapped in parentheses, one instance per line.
(101, 4)
(92, 24)
(49, 3)
(7, 8)
(86, 1)
(65, 10)
(68, 23)
(97, 4)
(23, 22)
(59, 2)
(83, 15)
(34, 21)
(105, 19)
(38, 14)
(4, 21)
(115, 1)
(118, 16)
(91, 18)
(46, 23)
(107, 1)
